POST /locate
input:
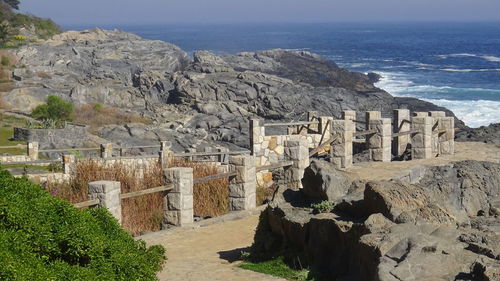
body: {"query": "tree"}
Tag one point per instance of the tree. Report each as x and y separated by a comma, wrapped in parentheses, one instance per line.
(13, 3)
(56, 109)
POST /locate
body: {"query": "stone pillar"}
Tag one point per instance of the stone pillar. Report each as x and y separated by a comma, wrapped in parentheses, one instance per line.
(325, 128)
(178, 203)
(108, 193)
(223, 158)
(447, 139)
(436, 126)
(349, 115)
(341, 152)
(401, 123)
(166, 155)
(380, 143)
(69, 162)
(421, 143)
(298, 152)
(243, 186)
(420, 114)
(257, 133)
(33, 150)
(106, 150)
(313, 116)
(372, 115)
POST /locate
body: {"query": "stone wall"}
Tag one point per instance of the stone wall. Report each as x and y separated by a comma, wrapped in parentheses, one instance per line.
(73, 135)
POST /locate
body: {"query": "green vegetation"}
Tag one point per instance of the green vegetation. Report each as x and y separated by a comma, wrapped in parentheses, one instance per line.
(6, 133)
(45, 238)
(55, 109)
(13, 23)
(5, 61)
(278, 267)
(323, 207)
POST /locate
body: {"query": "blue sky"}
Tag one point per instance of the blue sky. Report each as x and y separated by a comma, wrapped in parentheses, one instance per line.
(223, 11)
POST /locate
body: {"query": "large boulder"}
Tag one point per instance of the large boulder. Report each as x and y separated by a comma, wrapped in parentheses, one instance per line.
(323, 181)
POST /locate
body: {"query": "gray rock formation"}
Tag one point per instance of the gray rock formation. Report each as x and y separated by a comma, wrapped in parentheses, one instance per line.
(212, 93)
(486, 134)
(323, 181)
(430, 230)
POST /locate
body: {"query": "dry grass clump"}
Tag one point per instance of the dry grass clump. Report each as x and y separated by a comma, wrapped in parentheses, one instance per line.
(97, 115)
(210, 199)
(146, 212)
(139, 213)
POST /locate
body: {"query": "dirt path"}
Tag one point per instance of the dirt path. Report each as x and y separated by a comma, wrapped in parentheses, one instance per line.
(463, 151)
(207, 253)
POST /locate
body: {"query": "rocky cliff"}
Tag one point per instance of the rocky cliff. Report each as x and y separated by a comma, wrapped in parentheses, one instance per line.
(207, 98)
(444, 227)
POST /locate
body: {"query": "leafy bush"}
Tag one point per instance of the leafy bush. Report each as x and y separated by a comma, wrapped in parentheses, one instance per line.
(45, 238)
(323, 207)
(5, 61)
(55, 109)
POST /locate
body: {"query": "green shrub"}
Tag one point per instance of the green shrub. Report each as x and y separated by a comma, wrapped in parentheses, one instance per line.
(55, 109)
(45, 238)
(323, 207)
(5, 61)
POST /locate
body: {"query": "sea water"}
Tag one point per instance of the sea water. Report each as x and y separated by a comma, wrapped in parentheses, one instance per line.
(455, 65)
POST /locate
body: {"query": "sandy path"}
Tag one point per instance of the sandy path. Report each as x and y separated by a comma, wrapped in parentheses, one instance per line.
(463, 151)
(206, 253)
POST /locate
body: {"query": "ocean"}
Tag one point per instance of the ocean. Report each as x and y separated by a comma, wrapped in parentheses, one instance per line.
(455, 65)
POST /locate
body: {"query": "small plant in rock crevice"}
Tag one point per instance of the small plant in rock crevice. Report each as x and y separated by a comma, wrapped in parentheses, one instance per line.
(323, 207)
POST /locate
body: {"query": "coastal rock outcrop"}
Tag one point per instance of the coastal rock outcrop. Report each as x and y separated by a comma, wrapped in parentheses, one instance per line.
(209, 92)
(428, 230)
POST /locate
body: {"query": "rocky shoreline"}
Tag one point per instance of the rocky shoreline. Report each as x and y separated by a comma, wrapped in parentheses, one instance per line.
(442, 227)
(199, 101)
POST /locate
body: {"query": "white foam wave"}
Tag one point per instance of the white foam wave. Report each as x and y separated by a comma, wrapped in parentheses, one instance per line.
(470, 70)
(473, 113)
(485, 57)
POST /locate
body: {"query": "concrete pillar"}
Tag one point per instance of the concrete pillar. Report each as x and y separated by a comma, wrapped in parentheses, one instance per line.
(349, 115)
(380, 143)
(33, 150)
(106, 150)
(257, 133)
(421, 143)
(108, 193)
(69, 162)
(178, 203)
(313, 116)
(436, 125)
(298, 152)
(447, 139)
(401, 123)
(242, 187)
(341, 151)
(166, 155)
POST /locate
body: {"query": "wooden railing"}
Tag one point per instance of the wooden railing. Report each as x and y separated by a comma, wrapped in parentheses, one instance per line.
(20, 146)
(274, 166)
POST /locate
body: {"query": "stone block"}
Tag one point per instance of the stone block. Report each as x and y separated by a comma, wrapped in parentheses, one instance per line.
(349, 115)
(437, 113)
(186, 217)
(239, 204)
(422, 153)
(187, 202)
(171, 218)
(174, 201)
(108, 193)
